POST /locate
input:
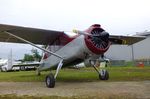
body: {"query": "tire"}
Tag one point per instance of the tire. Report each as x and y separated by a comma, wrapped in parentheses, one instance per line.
(104, 75)
(22, 68)
(50, 81)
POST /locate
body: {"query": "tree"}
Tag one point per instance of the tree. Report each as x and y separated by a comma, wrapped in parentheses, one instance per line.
(35, 56)
(28, 57)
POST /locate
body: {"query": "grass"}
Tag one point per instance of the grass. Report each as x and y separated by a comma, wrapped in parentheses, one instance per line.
(129, 73)
(82, 75)
(74, 75)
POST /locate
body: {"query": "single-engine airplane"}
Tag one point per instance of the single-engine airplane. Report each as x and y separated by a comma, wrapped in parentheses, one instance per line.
(3, 62)
(63, 50)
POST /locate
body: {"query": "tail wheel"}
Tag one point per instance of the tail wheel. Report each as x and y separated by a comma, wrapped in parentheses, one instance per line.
(50, 81)
(104, 75)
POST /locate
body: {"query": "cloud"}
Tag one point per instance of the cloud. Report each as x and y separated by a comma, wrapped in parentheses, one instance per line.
(115, 16)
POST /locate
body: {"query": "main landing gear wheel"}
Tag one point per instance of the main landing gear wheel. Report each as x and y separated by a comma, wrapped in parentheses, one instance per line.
(103, 75)
(50, 81)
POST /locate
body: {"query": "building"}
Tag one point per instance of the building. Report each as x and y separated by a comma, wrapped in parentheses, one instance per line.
(137, 51)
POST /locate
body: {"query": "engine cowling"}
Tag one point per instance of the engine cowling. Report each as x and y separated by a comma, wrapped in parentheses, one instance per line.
(98, 42)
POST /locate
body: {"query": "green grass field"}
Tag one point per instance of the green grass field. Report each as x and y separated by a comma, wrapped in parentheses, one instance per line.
(74, 75)
(81, 75)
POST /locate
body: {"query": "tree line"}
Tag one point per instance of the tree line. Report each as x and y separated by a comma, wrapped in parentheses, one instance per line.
(34, 56)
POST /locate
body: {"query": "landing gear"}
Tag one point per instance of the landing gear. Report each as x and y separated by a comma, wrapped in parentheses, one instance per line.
(50, 79)
(103, 75)
(22, 68)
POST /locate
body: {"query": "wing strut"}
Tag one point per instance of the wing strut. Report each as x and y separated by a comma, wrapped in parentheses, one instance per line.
(58, 68)
(28, 42)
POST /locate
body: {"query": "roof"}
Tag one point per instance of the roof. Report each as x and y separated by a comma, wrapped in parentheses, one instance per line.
(145, 33)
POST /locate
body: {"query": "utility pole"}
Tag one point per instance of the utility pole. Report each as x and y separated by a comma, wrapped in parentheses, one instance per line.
(132, 51)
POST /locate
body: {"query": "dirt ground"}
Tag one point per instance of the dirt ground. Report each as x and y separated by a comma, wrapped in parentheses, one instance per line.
(140, 89)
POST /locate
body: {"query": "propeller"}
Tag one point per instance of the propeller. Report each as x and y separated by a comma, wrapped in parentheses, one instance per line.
(98, 37)
(81, 32)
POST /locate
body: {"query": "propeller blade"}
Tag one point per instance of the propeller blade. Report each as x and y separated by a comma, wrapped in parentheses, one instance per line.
(81, 32)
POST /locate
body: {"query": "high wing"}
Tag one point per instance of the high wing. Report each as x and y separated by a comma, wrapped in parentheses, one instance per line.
(115, 39)
(125, 40)
(44, 37)
(36, 36)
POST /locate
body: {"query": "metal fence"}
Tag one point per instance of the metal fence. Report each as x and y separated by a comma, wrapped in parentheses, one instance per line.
(117, 63)
(142, 62)
(145, 62)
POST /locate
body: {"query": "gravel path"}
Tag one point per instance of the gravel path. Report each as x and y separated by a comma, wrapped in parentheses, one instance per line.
(140, 89)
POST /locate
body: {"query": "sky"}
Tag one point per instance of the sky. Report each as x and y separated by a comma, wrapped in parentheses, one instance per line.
(119, 17)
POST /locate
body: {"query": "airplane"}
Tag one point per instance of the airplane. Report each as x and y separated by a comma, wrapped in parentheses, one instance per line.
(5, 65)
(3, 62)
(8, 65)
(13, 65)
(26, 65)
(63, 50)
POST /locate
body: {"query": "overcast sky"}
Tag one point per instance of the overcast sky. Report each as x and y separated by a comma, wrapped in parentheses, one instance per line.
(122, 17)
